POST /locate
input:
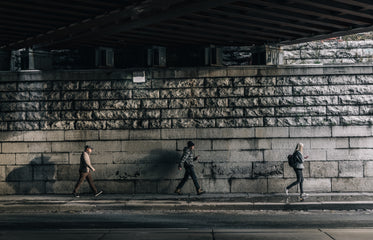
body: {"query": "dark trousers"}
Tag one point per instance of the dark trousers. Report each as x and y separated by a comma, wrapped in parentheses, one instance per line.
(83, 176)
(189, 171)
(299, 181)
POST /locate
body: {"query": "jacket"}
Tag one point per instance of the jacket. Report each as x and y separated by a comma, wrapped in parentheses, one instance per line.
(299, 159)
(187, 158)
(85, 163)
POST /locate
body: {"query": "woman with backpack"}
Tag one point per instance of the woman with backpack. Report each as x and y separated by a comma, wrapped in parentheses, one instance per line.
(298, 168)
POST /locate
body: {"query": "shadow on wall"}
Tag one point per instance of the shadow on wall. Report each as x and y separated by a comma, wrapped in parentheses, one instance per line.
(147, 172)
(33, 178)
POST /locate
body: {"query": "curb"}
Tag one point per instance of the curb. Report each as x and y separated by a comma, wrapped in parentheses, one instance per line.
(145, 205)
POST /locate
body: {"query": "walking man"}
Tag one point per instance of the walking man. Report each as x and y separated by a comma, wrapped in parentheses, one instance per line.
(85, 172)
(298, 168)
(187, 160)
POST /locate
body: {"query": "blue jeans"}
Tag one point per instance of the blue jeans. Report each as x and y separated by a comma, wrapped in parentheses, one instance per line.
(299, 181)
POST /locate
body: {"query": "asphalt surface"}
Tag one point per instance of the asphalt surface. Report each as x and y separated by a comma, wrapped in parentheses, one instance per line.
(212, 216)
(331, 225)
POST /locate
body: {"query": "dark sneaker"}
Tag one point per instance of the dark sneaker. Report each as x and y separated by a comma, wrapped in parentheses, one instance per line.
(178, 191)
(76, 195)
(98, 193)
(200, 191)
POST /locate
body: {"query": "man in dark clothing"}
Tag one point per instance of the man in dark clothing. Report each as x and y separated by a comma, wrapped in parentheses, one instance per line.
(85, 172)
(187, 159)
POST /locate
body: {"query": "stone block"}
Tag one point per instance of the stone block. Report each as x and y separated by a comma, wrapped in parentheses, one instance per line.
(144, 186)
(106, 146)
(55, 136)
(320, 100)
(44, 172)
(342, 110)
(268, 169)
(94, 125)
(11, 136)
(199, 144)
(39, 147)
(329, 143)
(7, 159)
(29, 158)
(68, 146)
(351, 169)
(145, 134)
(249, 185)
(186, 133)
(227, 170)
(317, 185)
(114, 134)
(148, 146)
(116, 187)
(79, 135)
(264, 143)
(135, 157)
(350, 154)
(306, 132)
(244, 156)
(352, 131)
(175, 113)
(176, 93)
(272, 132)
(215, 185)
(204, 92)
(368, 169)
(75, 95)
(123, 172)
(359, 142)
(67, 172)
(35, 136)
(234, 144)
(352, 184)
(18, 173)
(324, 169)
(290, 143)
(223, 133)
(55, 158)
(16, 147)
(212, 72)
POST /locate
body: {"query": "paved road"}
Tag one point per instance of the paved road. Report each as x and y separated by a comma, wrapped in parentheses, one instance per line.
(110, 225)
(189, 219)
(191, 234)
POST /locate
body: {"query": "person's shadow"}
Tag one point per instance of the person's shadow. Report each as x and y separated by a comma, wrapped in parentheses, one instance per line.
(33, 178)
(154, 173)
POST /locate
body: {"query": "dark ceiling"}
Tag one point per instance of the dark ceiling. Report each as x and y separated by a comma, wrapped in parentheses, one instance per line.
(120, 23)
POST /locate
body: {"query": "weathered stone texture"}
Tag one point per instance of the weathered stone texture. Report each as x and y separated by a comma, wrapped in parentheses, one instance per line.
(244, 122)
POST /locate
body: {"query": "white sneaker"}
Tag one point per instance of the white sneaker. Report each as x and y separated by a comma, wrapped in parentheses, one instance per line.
(304, 195)
(286, 191)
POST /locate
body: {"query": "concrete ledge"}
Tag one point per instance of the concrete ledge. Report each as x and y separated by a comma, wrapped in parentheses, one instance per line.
(207, 202)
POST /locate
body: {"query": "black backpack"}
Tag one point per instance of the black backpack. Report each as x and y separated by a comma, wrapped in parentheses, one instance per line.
(292, 160)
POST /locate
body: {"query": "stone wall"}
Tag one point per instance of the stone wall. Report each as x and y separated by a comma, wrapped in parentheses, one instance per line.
(244, 121)
(352, 49)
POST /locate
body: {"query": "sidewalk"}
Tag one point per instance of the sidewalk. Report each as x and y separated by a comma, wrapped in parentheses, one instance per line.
(170, 202)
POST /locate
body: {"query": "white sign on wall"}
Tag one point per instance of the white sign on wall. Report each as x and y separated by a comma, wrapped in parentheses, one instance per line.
(138, 77)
